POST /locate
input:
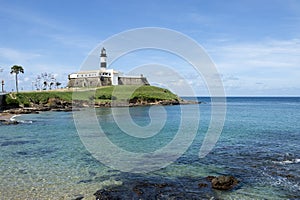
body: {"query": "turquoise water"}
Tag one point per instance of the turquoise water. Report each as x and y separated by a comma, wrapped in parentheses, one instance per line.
(44, 158)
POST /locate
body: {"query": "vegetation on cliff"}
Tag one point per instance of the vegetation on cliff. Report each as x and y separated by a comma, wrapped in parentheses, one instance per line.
(133, 94)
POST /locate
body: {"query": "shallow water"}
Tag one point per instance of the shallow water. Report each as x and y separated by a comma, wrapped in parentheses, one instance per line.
(259, 145)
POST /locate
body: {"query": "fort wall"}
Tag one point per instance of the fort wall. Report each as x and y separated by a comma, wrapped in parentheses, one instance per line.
(89, 82)
(132, 81)
(106, 81)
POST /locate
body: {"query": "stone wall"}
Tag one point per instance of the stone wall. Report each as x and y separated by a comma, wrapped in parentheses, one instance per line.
(133, 81)
(89, 82)
(105, 81)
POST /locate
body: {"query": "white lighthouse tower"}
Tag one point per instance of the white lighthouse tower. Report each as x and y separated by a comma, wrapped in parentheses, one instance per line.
(103, 59)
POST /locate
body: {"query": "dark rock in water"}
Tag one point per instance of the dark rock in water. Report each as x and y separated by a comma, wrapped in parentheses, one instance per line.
(109, 194)
(153, 188)
(10, 122)
(224, 182)
(210, 178)
(201, 185)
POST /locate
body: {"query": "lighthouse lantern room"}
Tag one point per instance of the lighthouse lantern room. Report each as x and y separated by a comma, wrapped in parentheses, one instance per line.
(103, 58)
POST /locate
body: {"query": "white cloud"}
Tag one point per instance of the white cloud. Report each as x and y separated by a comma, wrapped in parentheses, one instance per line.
(13, 55)
(270, 53)
(197, 18)
(273, 63)
(47, 27)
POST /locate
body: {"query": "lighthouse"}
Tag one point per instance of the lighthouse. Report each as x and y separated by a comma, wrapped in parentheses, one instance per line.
(103, 77)
(103, 58)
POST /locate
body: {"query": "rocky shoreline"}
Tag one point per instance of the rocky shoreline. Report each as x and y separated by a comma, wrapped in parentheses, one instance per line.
(58, 105)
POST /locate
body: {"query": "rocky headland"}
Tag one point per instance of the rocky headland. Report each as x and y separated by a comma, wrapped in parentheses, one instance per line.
(35, 102)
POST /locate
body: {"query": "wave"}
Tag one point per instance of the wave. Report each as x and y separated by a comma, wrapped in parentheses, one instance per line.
(20, 121)
(24, 121)
(291, 161)
(13, 118)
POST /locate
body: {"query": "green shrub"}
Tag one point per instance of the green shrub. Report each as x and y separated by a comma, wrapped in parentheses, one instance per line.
(10, 101)
(26, 104)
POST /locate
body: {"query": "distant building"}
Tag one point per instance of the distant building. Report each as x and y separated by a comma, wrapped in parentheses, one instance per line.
(103, 76)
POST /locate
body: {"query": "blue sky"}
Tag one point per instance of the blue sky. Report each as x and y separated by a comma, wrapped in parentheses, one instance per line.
(254, 44)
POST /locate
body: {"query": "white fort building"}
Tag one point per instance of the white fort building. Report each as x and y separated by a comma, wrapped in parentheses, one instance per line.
(103, 76)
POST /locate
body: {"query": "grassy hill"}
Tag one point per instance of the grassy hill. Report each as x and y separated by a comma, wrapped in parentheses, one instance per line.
(134, 94)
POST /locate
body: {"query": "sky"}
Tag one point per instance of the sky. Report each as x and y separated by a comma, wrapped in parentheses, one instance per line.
(254, 44)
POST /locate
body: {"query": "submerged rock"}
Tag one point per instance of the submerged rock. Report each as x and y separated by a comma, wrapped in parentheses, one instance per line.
(153, 188)
(223, 182)
(202, 185)
(109, 194)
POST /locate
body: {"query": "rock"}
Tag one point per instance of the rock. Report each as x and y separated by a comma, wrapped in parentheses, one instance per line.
(67, 109)
(9, 122)
(137, 187)
(224, 182)
(202, 185)
(56, 103)
(210, 178)
(108, 194)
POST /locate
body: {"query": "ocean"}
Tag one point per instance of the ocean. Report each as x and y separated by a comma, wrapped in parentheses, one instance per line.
(45, 158)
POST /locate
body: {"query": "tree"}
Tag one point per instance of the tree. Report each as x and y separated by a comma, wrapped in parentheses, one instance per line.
(16, 69)
(57, 84)
(50, 86)
(45, 85)
(45, 81)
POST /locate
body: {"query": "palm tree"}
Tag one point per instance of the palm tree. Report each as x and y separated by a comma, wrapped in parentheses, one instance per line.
(16, 69)
(50, 86)
(57, 84)
(45, 85)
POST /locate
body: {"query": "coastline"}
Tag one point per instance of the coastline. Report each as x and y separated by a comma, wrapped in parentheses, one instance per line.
(7, 115)
(72, 100)
(55, 104)
(8, 118)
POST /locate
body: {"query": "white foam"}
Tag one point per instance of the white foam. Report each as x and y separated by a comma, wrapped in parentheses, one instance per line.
(25, 121)
(13, 117)
(20, 121)
(292, 161)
